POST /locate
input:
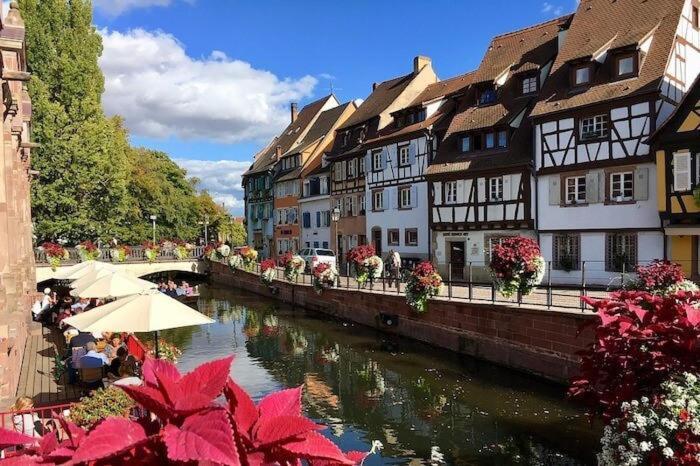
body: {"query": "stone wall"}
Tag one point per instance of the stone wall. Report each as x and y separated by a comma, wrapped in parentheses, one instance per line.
(17, 275)
(539, 342)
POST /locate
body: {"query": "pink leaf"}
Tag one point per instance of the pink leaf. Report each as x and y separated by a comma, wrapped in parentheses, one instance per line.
(315, 446)
(357, 457)
(208, 379)
(606, 318)
(153, 366)
(25, 460)
(111, 437)
(75, 434)
(693, 315)
(150, 398)
(48, 443)
(10, 438)
(277, 429)
(639, 311)
(202, 437)
(241, 406)
(282, 403)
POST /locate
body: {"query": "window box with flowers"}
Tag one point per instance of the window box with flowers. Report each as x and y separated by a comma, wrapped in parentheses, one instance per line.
(517, 266)
(422, 283)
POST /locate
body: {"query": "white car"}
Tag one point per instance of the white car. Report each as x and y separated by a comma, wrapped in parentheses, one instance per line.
(315, 256)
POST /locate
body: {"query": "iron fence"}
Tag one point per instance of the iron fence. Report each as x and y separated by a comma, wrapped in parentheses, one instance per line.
(136, 254)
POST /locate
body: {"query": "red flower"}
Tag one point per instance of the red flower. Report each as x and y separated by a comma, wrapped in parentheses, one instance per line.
(659, 275)
(684, 415)
(358, 254)
(89, 246)
(286, 259)
(267, 264)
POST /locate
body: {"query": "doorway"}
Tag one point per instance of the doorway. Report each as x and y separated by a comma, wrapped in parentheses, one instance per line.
(457, 256)
(377, 241)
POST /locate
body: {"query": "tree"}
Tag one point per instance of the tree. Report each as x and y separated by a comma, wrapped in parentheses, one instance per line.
(233, 232)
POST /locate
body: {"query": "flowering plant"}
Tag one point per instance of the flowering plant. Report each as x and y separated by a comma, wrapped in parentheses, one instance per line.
(99, 405)
(270, 325)
(223, 250)
(119, 253)
(55, 253)
(267, 271)
(641, 340)
(422, 282)
(211, 251)
(662, 430)
(88, 251)
(181, 249)
(150, 250)
(517, 265)
(359, 258)
(661, 277)
(293, 266)
(235, 261)
(192, 427)
(249, 256)
(324, 276)
(166, 350)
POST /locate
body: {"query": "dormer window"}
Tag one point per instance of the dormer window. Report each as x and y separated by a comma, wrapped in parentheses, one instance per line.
(529, 85)
(465, 143)
(346, 138)
(625, 65)
(487, 96)
(582, 75)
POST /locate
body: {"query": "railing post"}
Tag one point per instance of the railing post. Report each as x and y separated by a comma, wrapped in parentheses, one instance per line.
(549, 284)
(383, 281)
(583, 284)
(347, 275)
(449, 281)
(622, 275)
(493, 291)
(470, 284)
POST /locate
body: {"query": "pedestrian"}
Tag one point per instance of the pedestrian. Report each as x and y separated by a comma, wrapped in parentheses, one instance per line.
(394, 263)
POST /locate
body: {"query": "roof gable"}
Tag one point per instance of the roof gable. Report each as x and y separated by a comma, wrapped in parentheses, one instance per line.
(684, 119)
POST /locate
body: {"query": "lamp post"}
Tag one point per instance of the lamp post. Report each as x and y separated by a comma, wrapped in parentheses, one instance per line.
(206, 228)
(335, 216)
(153, 219)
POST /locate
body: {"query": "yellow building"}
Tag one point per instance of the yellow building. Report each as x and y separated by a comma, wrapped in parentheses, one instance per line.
(677, 147)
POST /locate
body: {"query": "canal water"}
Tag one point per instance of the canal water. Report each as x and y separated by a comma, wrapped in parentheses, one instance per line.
(420, 402)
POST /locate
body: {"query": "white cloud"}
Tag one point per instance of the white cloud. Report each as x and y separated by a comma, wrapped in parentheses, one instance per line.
(162, 92)
(117, 7)
(326, 76)
(221, 178)
(550, 8)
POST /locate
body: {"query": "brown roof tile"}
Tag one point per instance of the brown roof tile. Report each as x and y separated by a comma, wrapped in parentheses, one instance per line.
(323, 124)
(379, 99)
(444, 88)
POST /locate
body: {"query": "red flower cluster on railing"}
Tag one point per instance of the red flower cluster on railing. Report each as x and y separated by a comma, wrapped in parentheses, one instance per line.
(53, 250)
(267, 271)
(267, 264)
(659, 275)
(422, 283)
(285, 259)
(358, 254)
(641, 340)
(89, 246)
(516, 265)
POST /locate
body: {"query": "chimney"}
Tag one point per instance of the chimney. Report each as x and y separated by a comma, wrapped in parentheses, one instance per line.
(374, 86)
(419, 62)
(278, 151)
(293, 110)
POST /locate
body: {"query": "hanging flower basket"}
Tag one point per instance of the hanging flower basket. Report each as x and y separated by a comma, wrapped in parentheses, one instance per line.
(120, 253)
(422, 283)
(224, 250)
(324, 276)
(366, 264)
(662, 278)
(249, 256)
(182, 250)
(211, 251)
(293, 266)
(88, 251)
(517, 266)
(150, 251)
(55, 253)
(235, 261)
(267, 271)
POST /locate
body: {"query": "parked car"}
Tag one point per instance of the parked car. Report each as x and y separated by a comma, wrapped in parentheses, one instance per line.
(315, 256)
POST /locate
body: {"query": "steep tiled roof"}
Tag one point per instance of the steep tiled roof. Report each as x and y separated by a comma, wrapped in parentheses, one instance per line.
(443, 88)
(265, 159)
(379, 99)
(600, 25)
(323, 124)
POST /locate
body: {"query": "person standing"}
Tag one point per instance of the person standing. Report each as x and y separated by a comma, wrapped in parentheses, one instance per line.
(394, 262)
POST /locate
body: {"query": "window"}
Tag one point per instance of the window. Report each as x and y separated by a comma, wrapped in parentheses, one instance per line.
(315, 244)
(566, 253)
(487, 96)
(362, 204)
(681, 171)
(582, 75)
(325, 245)
(696, 17)
(502, 139)
(594, 127)
(411, 238)
(376, 160)
(620, 252)
(403, 155)
(466, 143)
(625, 66)
(450, 192)
(318, 219)
(392, 237)
(529, 85)
(346, 138)
(361, 163)
(306, 216)
(496, 189)
(405, 198)
(575, 190)
(490, 140)
(351, 168)
(349, 206)
(378, 200)
(621, 186)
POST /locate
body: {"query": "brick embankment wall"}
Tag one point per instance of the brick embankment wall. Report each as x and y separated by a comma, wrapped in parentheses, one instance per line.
(539, 342)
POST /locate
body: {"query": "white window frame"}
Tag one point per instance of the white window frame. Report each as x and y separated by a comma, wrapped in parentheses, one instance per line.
(529, 85)
(587, 70)
(378, 196)
(596, 126)
(351, 168)
(405, 197)
(496, 189)
(404, 158)
(619, 65)
(575, 182)
(377, 160)
(621, 179)
(450, 192)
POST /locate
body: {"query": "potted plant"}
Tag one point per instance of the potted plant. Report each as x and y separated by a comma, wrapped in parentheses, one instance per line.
(661, 277)
(166, 350)
(88, 251)
(101, 404)
(150, 250)
(517, 266)
(422, 283)
(120, 253)
(324, 276)
(249, 256)
(293, 266)
(267, 271)
(235, 261)
(55, 253)
(366, 264)
(182, 249)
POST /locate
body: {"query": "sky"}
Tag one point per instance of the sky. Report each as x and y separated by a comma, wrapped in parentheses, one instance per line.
(210, 81)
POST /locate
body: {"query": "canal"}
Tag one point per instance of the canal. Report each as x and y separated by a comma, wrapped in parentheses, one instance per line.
(418, 401)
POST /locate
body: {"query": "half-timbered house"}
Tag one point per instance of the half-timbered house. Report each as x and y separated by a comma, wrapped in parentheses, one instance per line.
(347, 158)
(481, 180)
(676, 144)
(395, 164)
(622, 68)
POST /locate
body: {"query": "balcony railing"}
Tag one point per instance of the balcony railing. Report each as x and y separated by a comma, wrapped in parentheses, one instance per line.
(137, 254)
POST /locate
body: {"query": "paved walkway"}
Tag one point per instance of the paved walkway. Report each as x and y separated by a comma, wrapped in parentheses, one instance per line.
(36, 379)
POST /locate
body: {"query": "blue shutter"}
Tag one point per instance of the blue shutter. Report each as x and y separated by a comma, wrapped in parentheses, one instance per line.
(412, 151)
(307, 219)
(318, 219)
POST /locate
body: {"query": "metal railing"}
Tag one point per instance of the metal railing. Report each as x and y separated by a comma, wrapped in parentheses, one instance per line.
(33, 422)
(137, 254)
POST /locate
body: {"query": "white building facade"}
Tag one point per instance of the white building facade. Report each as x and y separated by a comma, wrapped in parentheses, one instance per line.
(315, 211)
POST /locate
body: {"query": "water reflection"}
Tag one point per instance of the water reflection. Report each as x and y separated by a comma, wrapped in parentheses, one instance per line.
(420, 402)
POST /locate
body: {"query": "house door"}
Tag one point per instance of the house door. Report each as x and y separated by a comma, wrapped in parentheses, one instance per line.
(377, 241)
(457, 260)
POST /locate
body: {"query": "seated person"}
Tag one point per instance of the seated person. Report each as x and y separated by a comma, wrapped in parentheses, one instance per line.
(25, 422)
(113, 372)
(127, 372)
(91, 348)
(64, 313)
(81, 339)
(112, 347)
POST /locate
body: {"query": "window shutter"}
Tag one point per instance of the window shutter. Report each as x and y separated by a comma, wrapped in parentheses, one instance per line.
(592, 190)
(554, 190)
(412, 152)
(385, 200)
(506, 188)
(681, 171)
(385, 158)
(641, 183)
(414, 196)
(461, 197)
(437, 193)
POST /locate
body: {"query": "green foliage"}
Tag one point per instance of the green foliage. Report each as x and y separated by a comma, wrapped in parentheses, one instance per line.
(101, 404)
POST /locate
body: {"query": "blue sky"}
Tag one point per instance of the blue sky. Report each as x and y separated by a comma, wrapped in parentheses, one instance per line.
(210, 81)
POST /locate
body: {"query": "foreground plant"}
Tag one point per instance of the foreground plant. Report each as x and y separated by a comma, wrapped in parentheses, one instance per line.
(235, 261)
(293, 266)
(422, 283)
(517, 266)
(190, 426)
(88, 251)
(267, 271)
(661, 277)
(55, 253)
(664, 430)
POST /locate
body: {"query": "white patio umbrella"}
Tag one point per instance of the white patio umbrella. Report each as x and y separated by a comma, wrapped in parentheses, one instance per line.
(148, 311)
(91, 277)
(113, 285)
(79, 270)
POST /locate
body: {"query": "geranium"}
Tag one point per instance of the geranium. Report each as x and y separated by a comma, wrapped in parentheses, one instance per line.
(358, 257)
(211, 251)
(224, 250)
(422, 283)
(120, 253)
(150, 250)
(641, 340)
(191, 427)
(235, 261)
(55, 254)
(661, 277)
(324, 276)
(249, 256)
(293, 266)
(662, 430)
(88, 251)
(181, 249)
(517, 265)
(166, 350)
(267, 271)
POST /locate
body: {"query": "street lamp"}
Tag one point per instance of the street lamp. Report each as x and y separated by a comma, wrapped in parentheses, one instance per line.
(206, 230)
(335, 216)
(153, 219)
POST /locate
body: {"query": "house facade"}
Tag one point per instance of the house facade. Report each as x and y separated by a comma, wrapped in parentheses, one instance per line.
(315, 209)
(348, 157)
(481, 182)
(608, 90)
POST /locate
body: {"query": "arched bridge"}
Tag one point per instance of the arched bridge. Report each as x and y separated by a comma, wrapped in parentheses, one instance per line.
(135, 263)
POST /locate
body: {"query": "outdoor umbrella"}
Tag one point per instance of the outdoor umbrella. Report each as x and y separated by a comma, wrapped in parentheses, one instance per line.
(148, 311)
(113, 285)
(79, 270)
(90, 277)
